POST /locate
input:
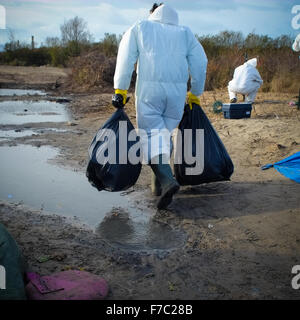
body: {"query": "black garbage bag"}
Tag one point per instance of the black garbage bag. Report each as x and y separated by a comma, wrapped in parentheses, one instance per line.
(119, 173)
(12, 268)
(216, 164)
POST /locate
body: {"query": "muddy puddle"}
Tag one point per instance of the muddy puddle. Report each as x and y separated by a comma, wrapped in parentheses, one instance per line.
(21, 92)
(21, 112)
(20, 133)
(28, 177)
(6, 135)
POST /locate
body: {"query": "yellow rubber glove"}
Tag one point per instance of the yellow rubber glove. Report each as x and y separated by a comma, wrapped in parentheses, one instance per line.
(123, 93)
(193, 99)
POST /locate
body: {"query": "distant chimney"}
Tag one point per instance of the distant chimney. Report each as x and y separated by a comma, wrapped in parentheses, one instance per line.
(32, 42)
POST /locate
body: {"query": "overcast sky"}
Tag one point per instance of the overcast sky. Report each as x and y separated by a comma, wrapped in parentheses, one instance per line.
(43, 18)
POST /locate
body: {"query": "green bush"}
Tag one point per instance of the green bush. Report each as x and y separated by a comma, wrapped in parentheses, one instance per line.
(109, 45)
(26, 57)
(59, 56)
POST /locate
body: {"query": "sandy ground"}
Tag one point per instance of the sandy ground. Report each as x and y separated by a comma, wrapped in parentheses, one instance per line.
(31, 77)
(243, 236)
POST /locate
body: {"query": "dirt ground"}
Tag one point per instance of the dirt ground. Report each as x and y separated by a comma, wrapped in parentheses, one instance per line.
(243, 236)
(30, 77)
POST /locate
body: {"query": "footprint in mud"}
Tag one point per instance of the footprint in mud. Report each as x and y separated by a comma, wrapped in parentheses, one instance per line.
(143, 234)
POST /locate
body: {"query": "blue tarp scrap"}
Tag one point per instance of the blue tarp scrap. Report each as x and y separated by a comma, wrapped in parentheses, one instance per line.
(289, 167)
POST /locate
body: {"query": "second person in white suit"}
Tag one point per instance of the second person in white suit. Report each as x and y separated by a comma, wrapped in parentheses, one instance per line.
(296, 44)
(246, 81)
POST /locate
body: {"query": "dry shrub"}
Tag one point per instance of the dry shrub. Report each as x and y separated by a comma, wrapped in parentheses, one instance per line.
(280, 70)
(220, 68)
(286, 71)
(285, 82)
(279, 67)
(92, 70)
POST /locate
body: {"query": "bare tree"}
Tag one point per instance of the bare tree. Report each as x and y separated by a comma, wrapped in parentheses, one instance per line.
(11, 36)
(75, 30)
(12, 43)
(230, 38)
(52, 42)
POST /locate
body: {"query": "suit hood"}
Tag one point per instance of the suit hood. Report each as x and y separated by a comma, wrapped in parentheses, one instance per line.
(252, 62)
(165, 14)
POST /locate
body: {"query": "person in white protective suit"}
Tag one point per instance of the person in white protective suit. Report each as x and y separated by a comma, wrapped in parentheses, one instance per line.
(167, 54)
(246, 81)
(296, 44)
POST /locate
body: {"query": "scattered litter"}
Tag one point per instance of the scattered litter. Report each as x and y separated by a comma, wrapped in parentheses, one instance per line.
(292, 103)
(71, 124)
(280, 146)
(43, 259)
(210, 226)
(171, 286)
(58, 256)
(65, 268)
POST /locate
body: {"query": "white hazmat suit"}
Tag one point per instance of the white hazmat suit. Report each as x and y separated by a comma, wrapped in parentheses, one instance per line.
(166, 54)
(246, 80)
(296, 44)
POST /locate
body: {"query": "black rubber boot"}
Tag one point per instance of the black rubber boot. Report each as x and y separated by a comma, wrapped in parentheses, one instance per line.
(155, 185)
(169, 185)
